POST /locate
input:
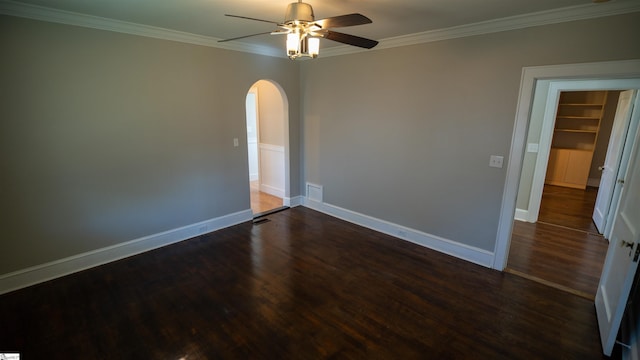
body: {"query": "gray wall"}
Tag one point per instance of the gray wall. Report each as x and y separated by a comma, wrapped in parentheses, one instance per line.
(405, 134)
(271, 114)
(107, 137)
(534, 134)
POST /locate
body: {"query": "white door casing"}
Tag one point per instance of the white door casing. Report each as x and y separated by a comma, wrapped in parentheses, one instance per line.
(544, 148)
(625, 70)
(612, 161)
(270, 169)
(251, 104)
(621, 262)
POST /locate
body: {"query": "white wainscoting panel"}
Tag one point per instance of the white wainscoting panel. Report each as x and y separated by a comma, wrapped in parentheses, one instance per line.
(272, 169)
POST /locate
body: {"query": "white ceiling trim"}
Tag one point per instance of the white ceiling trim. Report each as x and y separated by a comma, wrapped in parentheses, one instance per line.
(571, 13)
(36, 12)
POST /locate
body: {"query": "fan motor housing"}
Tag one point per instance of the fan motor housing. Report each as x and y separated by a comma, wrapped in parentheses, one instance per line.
(300, 12)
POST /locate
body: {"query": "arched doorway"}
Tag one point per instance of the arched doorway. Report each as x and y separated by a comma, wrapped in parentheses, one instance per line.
(268, 146)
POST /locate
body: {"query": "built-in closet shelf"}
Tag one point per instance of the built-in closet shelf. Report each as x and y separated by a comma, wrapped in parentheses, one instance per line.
(576, 130)
(578, 117)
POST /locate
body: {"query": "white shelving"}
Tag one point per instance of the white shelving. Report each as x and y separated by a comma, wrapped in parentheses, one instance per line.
(574, 139)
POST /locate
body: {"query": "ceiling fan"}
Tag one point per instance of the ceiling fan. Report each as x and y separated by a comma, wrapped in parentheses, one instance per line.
(304, 32)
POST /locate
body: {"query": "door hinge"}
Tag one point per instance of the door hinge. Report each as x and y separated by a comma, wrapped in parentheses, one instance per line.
(635, 256)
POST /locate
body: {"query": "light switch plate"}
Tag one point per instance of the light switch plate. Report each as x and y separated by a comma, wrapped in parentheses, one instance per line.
(496, 161)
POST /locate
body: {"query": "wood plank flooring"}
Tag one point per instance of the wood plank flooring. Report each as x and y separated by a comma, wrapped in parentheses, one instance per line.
(261, 201)
(562, 257)
(302, 285)
(568, 207)
(563, 249)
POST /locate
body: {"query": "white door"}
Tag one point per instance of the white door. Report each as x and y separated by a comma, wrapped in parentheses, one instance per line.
(621, 262)
(612, 160)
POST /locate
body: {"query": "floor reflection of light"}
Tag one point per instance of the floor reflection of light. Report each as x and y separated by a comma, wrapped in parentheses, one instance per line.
(256, 253)
(270, 266)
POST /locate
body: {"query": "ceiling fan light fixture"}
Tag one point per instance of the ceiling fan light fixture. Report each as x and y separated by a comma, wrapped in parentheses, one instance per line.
(293, 44)
(299, 12)
(304, 32)
(301, 44)
(314, 46)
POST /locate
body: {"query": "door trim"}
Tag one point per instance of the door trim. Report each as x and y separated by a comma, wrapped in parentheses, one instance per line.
(625, 69)
(284, 193)
(548, 124)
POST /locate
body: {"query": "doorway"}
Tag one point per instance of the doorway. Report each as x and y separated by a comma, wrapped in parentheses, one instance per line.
(267, 146)
(559, 250)
(534, 78)
(559, 244)
(580, 145)
(561, 247)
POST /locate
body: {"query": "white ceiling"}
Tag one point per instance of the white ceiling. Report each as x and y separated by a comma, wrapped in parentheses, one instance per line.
(391, 18)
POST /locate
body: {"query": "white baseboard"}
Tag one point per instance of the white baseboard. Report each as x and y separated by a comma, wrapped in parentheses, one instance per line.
(44, 272)
(522, 215)
(272, 190)
(40, 273)
(292, 202)
(449, 247)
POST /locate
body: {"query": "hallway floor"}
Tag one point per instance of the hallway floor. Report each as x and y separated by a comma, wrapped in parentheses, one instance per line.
(571, 208)
(563, 249)
(261, 201)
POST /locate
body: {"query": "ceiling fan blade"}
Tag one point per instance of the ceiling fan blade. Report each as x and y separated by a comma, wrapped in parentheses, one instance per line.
(250, 18)
(343, 20)
(350, 39)
(246, 36)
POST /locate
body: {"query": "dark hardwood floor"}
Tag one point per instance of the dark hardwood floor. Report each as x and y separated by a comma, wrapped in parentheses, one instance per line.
(568, 207)
(563, 249)
(303, 285)
(557, 256)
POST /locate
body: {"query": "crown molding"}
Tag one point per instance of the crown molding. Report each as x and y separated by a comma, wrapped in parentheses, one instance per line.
(36, 12)
(572, 13)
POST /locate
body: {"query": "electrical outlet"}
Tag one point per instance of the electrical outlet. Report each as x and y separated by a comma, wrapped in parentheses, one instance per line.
(496, 161)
